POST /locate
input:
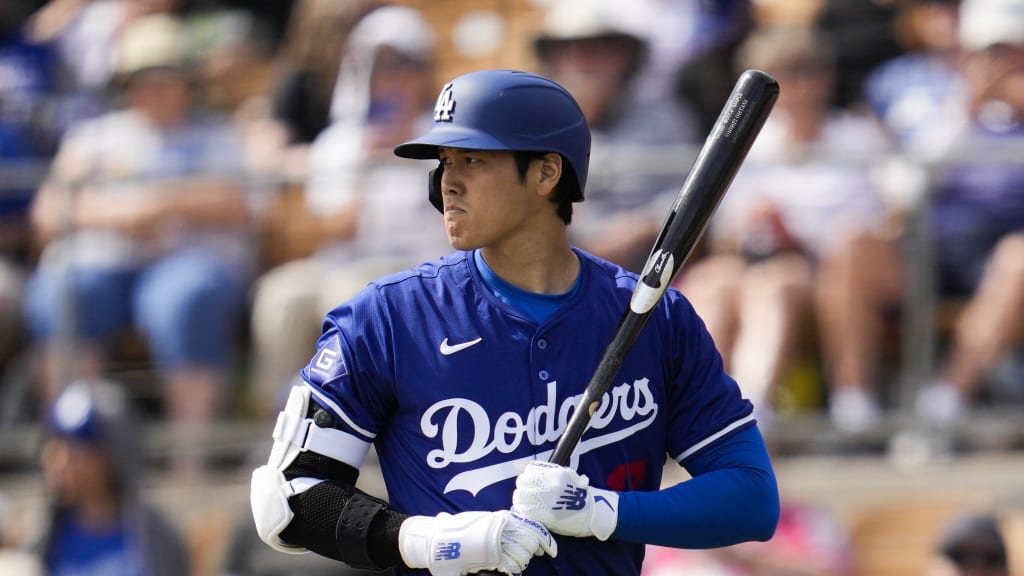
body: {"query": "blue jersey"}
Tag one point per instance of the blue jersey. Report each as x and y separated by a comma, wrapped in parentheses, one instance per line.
(78, 552)
(457, 391)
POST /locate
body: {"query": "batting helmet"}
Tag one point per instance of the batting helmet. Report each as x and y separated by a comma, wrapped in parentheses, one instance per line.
(505, 110)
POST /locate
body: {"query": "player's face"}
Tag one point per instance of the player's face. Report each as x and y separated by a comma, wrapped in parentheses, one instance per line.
(485, 201)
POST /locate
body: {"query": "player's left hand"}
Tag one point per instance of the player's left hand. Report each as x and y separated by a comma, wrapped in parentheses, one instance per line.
(565, 502)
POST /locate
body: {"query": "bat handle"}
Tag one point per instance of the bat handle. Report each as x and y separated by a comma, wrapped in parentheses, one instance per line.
(629, 328)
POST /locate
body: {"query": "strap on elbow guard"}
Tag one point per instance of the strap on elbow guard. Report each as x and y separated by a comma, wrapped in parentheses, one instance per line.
(337, 520)
(353, 530)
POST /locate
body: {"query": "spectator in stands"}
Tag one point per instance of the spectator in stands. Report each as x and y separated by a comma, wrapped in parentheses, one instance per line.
(706, 76)
(368, 205)
(301, 104)
(234, 57)
(978, 210)
(907, 91)
(863, 36)
(976, 217)
(28, 82)
(84, 34)
(15, 196)
(274, 13)
(970, 545)
(597, 49)
(144, 221)
(99, 523)
(804, 186)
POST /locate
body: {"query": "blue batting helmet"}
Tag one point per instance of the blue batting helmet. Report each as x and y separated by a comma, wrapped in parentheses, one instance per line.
(506, 110)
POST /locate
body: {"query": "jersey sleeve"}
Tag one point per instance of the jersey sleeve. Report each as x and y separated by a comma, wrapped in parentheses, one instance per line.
(704, 402)
(350, 371)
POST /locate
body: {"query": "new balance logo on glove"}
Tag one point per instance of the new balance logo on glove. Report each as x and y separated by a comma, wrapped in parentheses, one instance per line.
(572, 499)
(447, 551)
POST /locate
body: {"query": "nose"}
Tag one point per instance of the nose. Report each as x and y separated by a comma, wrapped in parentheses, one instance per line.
(451, 181)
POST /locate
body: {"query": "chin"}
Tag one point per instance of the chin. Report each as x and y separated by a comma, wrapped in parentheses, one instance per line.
(456, 242)
(461, 243)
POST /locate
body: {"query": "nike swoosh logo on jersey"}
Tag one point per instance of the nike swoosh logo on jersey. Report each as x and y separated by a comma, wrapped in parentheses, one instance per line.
(449, 349)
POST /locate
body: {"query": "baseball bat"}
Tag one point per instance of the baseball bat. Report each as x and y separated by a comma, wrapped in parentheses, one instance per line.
(716, 164)
(719, 159)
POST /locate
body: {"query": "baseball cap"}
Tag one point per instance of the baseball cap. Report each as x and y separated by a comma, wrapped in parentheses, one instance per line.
(568, 20)
(90, 412)
(74, 415)
(153, 41)
(398, 27)
(987, 23)
(98, 415)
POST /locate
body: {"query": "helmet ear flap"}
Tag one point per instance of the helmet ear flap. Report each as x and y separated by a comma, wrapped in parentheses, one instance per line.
(434, 188)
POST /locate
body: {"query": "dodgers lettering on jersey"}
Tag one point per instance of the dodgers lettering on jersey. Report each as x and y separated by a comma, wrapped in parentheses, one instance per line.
(458, 392)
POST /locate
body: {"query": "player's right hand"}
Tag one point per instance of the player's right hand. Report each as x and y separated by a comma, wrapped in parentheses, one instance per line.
(467, 542)
(565, 502)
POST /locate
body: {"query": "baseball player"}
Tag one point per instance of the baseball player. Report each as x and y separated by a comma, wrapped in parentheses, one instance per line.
(463, 372)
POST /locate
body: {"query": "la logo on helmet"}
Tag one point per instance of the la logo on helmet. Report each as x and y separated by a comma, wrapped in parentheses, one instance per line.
(445, 106)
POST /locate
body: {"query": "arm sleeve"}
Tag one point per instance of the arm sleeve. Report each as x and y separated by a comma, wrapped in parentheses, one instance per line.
(733, 497)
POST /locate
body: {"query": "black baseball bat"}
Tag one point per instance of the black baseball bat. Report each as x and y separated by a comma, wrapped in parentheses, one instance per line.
(720, 157)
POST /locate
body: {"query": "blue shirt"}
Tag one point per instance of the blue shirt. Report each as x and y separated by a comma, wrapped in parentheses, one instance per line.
(79, 552)
(536, 306)
(457, 390)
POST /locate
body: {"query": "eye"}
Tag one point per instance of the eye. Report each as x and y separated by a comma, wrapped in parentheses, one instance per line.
(442, 162)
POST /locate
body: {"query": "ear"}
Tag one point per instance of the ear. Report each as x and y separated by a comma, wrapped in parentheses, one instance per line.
(550, 166)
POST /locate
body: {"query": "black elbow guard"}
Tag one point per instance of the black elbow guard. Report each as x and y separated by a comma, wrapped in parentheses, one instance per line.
(338, 521)
(334, 518)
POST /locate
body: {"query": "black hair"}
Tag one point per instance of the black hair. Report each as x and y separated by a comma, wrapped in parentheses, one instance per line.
(563, 192)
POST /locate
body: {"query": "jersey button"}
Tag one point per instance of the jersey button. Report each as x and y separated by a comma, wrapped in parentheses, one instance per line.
(542, 343)
(543, 374)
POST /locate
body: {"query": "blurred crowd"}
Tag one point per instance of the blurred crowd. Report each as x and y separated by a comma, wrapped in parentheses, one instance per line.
(196, 182)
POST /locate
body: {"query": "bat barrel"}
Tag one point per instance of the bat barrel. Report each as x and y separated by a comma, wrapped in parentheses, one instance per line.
(719, 160)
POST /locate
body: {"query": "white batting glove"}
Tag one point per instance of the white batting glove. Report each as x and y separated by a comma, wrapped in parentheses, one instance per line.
(565, 502)
(453, 545)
